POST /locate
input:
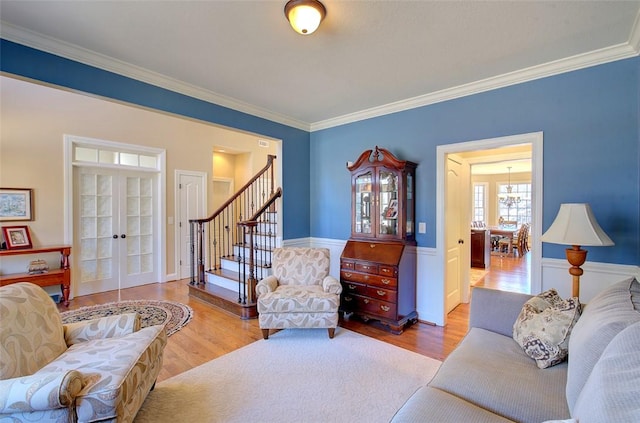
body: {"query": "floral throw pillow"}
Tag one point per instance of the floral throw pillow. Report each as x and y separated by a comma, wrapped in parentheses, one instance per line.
(544, 325)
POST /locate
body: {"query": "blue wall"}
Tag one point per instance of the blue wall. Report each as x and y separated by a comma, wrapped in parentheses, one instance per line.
(590, 119)
(591, 151)
(26, 62)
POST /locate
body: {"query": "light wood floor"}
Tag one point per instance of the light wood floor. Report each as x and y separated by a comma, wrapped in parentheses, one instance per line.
(212, 332)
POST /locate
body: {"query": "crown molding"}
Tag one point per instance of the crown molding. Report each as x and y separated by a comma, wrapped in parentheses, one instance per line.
(634, 38)
(580, 61)
(73, 52)
(79, 54)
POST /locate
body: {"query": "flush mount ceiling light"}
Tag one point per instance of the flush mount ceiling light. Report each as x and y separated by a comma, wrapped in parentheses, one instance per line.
(304, 15)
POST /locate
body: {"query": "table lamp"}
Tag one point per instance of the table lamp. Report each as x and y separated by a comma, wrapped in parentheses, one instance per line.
(576, 225)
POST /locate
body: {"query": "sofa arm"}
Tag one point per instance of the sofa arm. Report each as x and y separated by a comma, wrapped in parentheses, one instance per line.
(495, 310)
(39, 392)
(266, 285)
(101, 328)
(331, 285)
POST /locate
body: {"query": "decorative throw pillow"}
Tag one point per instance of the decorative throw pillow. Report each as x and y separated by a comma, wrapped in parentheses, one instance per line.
(543, 327)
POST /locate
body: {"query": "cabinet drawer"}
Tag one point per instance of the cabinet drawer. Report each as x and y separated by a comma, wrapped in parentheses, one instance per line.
(388, 271)
(367, 267)
(380, 308)
(349, 302)
(349, 265)
(353, 288)
(382, 294)
(383, 281)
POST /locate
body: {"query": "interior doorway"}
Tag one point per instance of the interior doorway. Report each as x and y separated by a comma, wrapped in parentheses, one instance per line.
(465, 152)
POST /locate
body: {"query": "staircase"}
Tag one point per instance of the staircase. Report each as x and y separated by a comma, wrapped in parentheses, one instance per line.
(231, 249)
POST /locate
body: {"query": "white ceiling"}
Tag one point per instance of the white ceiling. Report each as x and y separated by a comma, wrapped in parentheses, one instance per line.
(367, 58)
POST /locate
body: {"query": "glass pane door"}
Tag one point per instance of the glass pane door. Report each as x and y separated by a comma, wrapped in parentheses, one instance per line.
(362, 204)
(96, 225)
(137, 258)
(389, 207)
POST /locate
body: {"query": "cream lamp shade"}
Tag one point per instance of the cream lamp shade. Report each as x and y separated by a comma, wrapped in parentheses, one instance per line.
(304, 15)
(575, 224)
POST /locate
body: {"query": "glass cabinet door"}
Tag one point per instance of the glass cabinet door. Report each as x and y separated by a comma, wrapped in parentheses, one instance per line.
(410, 206)
(362, 204)
(389, 208)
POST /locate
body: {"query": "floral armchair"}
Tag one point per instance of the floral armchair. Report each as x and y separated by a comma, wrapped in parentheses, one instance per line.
(300, 293)
(92, 371)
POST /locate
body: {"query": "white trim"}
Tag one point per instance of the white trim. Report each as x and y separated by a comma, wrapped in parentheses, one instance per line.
(70, 51)
(68, 142)
(536, 141)
(79, 54)
(176, 196)
(596, 277)
(568, 64)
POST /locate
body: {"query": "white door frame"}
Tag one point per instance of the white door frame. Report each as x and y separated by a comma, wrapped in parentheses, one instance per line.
(536, 141)
(176, 195)
(68, 143)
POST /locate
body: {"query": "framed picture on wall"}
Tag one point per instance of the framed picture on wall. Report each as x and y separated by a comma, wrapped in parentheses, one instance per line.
(17, 237)
(16, 204)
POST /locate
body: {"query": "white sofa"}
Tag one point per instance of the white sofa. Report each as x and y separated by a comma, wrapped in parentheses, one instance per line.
(488, 378)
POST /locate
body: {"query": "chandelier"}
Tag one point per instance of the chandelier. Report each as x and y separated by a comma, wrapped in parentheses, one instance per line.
(508, 198)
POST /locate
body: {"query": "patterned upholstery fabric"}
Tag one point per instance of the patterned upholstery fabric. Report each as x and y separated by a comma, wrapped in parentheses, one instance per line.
(300, 266)
(300, 293)
(544, 326)
(103, 374)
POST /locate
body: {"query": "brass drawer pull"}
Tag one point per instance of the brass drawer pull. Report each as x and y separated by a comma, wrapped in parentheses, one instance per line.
(366, 277)
(347, 274)
(352, 287)
(366, 301)
(366, 267)
(385, 281)
(385, 308)
(381, 293)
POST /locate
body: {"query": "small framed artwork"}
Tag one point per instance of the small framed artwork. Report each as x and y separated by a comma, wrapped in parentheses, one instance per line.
(17, 237)
(16, 204)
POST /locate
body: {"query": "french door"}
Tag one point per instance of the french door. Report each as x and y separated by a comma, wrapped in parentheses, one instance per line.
(115, 229)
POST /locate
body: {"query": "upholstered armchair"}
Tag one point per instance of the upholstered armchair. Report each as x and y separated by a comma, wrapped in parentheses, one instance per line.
(299, 293)
(93, 371)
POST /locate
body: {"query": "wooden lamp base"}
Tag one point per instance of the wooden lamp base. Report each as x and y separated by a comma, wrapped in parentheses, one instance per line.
(576, 258)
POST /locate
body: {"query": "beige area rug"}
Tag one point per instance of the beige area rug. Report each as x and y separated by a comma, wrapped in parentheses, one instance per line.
(297, 375)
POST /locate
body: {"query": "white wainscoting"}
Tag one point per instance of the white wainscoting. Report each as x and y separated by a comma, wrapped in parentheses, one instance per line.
(430, 276)
(596, 277)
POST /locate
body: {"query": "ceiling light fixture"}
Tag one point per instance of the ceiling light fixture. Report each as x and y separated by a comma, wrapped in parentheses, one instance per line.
(509, 198)
(304, 15)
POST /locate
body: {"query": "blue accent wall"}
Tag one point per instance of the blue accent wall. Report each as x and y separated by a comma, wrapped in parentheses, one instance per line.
(590, 121)
(30, 63)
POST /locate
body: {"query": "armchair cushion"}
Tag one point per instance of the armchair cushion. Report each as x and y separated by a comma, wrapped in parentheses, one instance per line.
(292, 299)
(101, 328)
(300, 266)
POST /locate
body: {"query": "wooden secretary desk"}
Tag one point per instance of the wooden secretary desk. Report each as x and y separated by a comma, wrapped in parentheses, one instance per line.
(378, 264)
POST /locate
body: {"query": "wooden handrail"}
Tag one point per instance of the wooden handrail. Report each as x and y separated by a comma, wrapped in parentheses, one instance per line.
(270, 159)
